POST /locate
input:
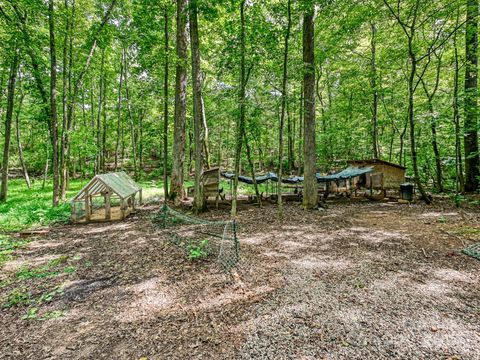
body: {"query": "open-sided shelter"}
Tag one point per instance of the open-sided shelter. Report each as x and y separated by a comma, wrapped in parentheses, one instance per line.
(111, 196)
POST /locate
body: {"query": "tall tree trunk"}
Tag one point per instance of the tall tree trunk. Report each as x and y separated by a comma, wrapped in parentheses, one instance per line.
(411, 118)
(310, 159)
(290, 134)
(165, 108)
(283, 112)
(206, 150)
(241, 120)
(8, 123)
(373, 82)
(456, 118)
(103, 156)
(130, 117)
(300, 132)
(252, 169)
(53, 103)
(198, 115)
(19, 142)
(119, 113)
(65, 87)
(472, 157)
(177, 191)
(98, 157)
(433, 125)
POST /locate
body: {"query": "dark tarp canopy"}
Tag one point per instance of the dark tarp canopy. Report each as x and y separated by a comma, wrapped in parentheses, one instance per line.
(348, 173)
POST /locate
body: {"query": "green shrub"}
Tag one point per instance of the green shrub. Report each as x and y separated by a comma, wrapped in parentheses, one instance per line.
(198, 251)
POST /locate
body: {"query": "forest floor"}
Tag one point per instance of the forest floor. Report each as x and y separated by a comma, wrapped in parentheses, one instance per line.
(365, 280)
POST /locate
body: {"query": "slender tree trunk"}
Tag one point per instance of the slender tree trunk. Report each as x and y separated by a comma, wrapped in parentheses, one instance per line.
(130, 117)
(53, 103)
(104, 129)
(283, 112)
(65, 87)
(472, 157)
(241, 98)
(290, 134)
(206, 150)
(165, 108)
(99, 116)
(300, 132)
(8, 123)
(456, 119)
(411, 119)
(252, 169)
(310, 181)
(373, 82)
(433, 125)
(177, 191)
(19, 142)
(119, 113)
(198, 115)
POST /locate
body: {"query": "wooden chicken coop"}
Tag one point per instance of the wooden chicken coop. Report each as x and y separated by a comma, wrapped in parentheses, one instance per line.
(106, 197)
(210, 183)
(385, 175)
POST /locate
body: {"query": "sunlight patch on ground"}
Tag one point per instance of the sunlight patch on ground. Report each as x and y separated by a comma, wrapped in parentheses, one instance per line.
(231, 296)
(255, 239)
(275, 254)
(149, 297)
(100, 229)
(438, 214)
(449, 335)
(453, 275)
(293, 244)
(309, 262)
(40, 244)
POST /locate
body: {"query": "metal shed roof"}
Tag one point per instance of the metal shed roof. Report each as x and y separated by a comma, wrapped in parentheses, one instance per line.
(119, 182)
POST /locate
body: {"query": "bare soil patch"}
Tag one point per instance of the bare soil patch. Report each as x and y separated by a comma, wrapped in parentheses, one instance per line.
(358, 281)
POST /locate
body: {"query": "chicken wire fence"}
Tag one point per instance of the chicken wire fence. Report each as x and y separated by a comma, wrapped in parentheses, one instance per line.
(214, 240)
(473, 251)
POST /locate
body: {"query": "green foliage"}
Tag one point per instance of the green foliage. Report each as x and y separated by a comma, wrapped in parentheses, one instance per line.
(8, 245)
(32, 207)
(18, 297)
(50, 269)
(198, 250)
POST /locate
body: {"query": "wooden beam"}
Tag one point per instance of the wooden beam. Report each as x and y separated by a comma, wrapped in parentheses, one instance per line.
(107, 206)
(88, 209)
(122, 209)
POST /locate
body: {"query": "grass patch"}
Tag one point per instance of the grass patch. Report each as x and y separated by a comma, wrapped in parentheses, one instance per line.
(26, 208)
(50, 269)
(469, 231)
(8, 245)
(18, 297)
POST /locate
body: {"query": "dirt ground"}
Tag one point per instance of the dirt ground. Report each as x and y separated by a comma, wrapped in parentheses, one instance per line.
(362, 280)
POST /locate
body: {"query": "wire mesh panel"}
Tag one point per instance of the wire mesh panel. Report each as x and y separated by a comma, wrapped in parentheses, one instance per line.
(214, 240)
(473, 250)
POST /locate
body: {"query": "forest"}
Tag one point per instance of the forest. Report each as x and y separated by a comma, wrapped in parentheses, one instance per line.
(293, 108)
(162, 89)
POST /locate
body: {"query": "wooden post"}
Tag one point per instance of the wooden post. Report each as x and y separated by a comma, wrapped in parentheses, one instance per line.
(88, 209)
(140, 197)
(122, 208)
(371, 184)
(74, 212)
(133, 202)
(107, 206)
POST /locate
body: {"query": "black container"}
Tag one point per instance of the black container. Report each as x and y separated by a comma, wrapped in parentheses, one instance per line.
(406, 191)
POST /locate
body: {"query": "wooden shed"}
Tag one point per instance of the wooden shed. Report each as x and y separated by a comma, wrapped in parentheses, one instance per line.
(385, 176)
(106, 197)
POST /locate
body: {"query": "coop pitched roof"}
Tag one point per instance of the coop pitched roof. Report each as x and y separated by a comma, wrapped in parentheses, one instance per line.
(119, 182)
